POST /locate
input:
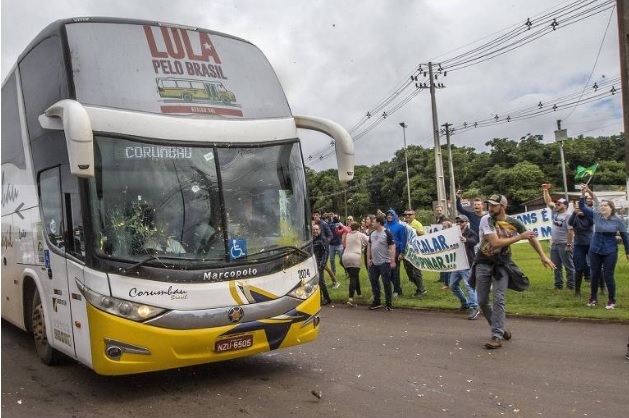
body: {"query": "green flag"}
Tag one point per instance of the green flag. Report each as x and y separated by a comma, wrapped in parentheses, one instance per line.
(585, 173)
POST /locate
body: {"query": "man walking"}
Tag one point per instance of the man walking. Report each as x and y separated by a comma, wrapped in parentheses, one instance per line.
(381, 260)
(497, 232)
(561, 239)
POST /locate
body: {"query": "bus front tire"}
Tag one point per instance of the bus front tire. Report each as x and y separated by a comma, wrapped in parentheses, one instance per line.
(45, 352)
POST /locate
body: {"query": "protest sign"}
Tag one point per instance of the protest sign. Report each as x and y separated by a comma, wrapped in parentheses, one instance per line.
(439, 251)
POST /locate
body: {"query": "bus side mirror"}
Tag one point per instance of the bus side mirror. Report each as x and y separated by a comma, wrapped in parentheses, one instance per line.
(71, 117)
(343, 142)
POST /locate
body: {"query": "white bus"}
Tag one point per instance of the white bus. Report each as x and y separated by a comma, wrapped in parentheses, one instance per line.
(139, 235)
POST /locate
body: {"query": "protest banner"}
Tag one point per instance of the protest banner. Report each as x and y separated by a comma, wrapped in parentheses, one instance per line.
(439, 251)
(539, 221)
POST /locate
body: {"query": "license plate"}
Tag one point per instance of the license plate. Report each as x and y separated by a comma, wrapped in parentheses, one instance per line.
(237, 342)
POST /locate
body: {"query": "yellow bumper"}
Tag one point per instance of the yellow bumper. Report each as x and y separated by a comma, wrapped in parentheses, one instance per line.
(167, 348)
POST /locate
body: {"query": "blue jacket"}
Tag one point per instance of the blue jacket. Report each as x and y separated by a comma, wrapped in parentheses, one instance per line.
(582, 227)
(604, 238)
(398, 231)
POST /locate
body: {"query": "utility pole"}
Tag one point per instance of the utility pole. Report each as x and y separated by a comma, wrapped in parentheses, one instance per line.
(408, 183)
(560, 136)
(622, 10)
(451, 168)
(441, 186)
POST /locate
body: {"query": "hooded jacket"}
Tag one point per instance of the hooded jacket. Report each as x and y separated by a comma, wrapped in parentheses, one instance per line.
(398, 231)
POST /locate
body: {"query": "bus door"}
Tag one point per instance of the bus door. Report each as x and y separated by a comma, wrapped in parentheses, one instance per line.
(55, 295)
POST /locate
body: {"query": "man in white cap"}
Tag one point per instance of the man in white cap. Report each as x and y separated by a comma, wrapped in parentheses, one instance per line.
(561, 240)
(497, 232)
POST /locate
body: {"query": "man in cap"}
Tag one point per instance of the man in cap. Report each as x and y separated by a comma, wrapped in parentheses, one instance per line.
(469, 238)
(414, 274)
(561, 240)
(497, 232)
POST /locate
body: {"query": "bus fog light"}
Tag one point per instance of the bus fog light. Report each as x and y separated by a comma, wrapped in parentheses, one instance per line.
(114, 353)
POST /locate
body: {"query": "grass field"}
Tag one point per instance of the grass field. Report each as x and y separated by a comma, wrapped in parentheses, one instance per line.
(541, 300)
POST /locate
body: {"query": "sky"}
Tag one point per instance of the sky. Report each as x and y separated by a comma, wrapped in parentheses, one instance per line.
(340, 59)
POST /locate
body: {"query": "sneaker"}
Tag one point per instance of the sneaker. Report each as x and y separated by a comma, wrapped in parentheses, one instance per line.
(375, 306)
(336, 285)
(474, 312)
(420, 293)
(445, 288)
(463, 308)
(610, 305)
(494, 343)
(627, 355)
(351, 303)
(506, 335)
(591, 302)
(389, 308)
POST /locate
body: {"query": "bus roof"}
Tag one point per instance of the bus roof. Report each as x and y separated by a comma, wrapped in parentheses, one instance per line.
(58, 26)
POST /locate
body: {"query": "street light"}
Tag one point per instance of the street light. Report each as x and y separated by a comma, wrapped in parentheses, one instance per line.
(408, 183)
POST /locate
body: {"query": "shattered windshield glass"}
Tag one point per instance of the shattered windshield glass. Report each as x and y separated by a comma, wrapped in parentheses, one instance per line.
(196, 204)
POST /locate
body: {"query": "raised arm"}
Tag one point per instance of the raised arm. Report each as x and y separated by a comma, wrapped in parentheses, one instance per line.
(548, 200)
(459, 205)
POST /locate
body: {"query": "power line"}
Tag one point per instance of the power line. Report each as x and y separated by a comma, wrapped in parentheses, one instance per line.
(567, 15)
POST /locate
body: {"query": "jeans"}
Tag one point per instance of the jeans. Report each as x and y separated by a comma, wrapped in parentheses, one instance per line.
(463, 276)
(608, 263)
(375, 272)
(354, 281)
(325, 296)
(581, 268)
(560, 257)
(414, 275)
(334, 250)
(488, 276)
(395, 278)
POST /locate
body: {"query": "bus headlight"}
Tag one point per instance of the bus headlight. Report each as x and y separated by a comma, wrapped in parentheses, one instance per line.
(306, 289)
(119, 307)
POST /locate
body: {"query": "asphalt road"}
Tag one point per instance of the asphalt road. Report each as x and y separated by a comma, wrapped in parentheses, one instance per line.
(365, 364)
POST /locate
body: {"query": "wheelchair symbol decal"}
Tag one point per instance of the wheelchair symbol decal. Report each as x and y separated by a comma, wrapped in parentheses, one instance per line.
(237, 248)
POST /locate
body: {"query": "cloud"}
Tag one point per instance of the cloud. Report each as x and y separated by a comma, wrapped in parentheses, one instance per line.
(338, 59)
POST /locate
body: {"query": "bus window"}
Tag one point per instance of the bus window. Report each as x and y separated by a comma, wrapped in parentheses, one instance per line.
(50, 195)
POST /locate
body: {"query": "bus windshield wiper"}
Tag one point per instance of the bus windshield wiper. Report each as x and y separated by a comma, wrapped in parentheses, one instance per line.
(284, 249)
(134, 267)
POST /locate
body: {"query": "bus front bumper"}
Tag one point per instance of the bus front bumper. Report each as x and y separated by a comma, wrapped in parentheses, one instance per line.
(121, 346)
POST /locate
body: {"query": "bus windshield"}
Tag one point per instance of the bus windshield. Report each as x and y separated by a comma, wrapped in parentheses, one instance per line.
(196, 205)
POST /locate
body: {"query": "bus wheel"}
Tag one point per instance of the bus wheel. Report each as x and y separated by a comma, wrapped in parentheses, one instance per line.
(186, 97)
(46, 353)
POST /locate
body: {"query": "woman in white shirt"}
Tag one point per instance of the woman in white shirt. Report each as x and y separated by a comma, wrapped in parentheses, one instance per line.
(355, 241)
